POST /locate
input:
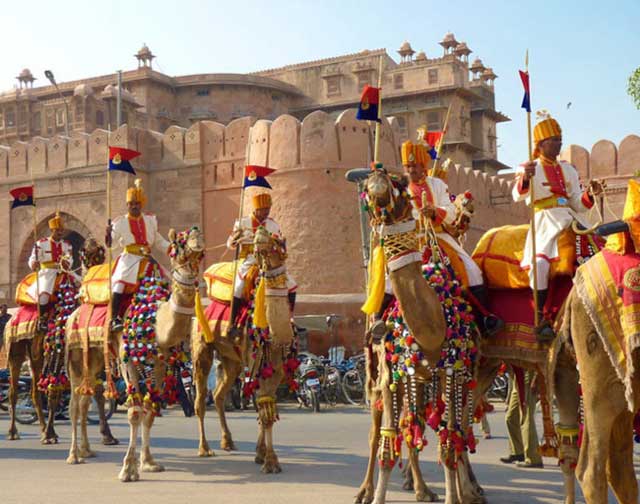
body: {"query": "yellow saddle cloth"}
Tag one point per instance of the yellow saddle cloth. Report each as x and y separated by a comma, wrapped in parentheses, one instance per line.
(22, 297)
(219, 280)
(499, 254)
(95, 285)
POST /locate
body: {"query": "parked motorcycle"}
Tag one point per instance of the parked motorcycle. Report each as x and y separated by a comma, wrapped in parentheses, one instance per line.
(308, 392)
(353, 379)
(23, 389)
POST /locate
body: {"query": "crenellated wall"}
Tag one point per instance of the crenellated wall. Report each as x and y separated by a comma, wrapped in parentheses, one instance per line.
(193, 176)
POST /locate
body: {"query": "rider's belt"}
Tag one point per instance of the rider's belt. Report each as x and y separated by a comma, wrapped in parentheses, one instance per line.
(135, 249)
(438, 228)
(49, 265)
(551, 202)
(245, 250)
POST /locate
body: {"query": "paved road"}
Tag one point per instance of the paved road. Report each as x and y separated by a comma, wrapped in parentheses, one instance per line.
(323, 458)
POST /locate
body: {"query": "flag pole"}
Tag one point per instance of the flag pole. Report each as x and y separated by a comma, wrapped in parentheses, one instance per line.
(35, 243)
(376, 148)
(534, 266)
(441, 143)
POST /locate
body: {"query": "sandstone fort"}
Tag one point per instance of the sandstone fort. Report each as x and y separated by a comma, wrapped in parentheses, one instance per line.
(197, 132)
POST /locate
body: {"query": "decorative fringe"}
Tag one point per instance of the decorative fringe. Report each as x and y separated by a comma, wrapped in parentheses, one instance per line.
(267, 410)
(260, 305)
(376, 282)
(202, 320)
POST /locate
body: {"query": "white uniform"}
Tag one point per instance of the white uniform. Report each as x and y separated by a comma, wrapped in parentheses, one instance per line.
(439, 192)
(556, 212)
(137, 237)
(49, 255)
(248, 226)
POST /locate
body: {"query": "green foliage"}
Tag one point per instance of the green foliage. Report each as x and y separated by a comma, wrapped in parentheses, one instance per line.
(634, 87)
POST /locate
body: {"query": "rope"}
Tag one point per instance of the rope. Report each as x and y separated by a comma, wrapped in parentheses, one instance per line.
(397, 244)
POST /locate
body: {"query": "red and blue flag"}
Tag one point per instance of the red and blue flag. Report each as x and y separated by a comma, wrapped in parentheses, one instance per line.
(256, 176)
(22, 196)
(369, 104)
(433, 138)
(120, 159)
(526, 100)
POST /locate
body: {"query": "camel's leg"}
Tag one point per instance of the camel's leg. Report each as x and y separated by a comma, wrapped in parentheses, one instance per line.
(108, 438)
(147, 463)
(568, 399)
(268, 412)
(85, 447)
(386, 454)
(129, 471)
(231, 371)
(261, 446)
(365, 493)
(423, 492)
(450, 486)
(202, 361)
(17, 355)
(74, 379)
(35, 353)
(468, 492)
(53, 400)
(620, 470)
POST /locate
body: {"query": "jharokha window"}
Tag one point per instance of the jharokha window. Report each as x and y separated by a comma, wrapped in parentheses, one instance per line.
(333, 86)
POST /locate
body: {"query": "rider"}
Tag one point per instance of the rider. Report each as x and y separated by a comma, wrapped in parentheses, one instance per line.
(242, 236)
(440, 210)
(136, 232)
(559, 200)
(48, 256)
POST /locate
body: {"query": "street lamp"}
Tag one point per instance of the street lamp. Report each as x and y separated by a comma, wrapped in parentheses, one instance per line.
(49, 75)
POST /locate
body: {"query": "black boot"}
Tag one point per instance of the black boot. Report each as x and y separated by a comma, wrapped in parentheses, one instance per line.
(379, 328)
(490, 324)
(116, 319)
(43, 319)
(544, 332)
(292, 300)
(234, 331)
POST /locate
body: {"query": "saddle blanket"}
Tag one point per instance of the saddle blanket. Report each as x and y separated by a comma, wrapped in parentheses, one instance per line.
(90, 320)
(23, 324)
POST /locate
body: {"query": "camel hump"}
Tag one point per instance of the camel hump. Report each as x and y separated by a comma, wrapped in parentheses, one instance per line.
(500, 252)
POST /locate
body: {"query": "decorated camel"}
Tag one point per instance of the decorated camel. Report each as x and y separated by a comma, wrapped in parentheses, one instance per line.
(85, 334)
(155, 327)
(262, 348)
(422, 371)
(599, 338)
(27, 338)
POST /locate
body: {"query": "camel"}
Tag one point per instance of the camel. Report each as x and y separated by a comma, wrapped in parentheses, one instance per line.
(172, 328)
(610, 398)
(26, 342)
(265, 359)
(85, 363)
(422, 315)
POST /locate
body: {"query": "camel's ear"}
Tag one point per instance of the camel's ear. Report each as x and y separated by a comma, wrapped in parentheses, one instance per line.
(172, 235)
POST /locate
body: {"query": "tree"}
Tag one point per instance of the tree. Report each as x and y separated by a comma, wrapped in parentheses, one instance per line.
(634, 87)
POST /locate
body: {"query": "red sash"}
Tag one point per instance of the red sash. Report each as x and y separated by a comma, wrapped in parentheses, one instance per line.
(56, 250)
(416, 190)
(138, 230)
(555, 178)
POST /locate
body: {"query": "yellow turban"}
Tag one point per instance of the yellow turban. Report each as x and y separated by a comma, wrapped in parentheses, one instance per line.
(56, 222)
(631, 215)
(262, 200)
(414, 153)
(136, 193)
(547, 127)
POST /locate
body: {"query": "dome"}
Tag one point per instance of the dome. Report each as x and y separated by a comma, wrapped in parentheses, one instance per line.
(488, 74)
(477, 65)
(82, 90)
(449, 40)
(462, 49)
(144, 52)
(26, 74)
(421, 56)
(406, 49)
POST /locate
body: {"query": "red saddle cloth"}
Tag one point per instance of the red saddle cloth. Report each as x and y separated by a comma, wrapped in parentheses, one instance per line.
(218, 312)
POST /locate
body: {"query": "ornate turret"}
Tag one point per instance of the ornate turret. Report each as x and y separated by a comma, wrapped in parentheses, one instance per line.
(449, 42)
(406, 52)
(477, 68)
(462, 51)
(26, 78)
(421, 57)
(144, 57)
(488, 76)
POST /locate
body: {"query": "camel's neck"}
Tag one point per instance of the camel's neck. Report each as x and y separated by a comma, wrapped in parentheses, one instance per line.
(183, 288)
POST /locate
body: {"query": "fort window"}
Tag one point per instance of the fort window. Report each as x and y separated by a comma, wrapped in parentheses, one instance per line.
(333, 86)
(79, 111)
(49, 121)
(11, 118)
(398, 81)
(433, 76)
(433, 121)
(202, 92)
(59, 117)
(36, 121)
(364, 78)
(99, 118)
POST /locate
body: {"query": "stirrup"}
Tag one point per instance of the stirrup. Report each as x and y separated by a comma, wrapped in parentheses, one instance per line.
(116, 324)
(43, 324)
(544, 332)
(492, 324)
(378, 330)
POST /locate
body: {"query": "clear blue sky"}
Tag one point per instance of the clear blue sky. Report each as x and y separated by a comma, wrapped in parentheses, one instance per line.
(580, 51)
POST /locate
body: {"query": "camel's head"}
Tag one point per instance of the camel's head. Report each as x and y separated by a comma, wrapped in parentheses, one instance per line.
(92, 253)
(187, 248)
(464, 212)
(386, 196)
(270, 249)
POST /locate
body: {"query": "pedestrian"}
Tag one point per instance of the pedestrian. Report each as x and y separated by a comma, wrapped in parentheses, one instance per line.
(4, 318)
(521, 425)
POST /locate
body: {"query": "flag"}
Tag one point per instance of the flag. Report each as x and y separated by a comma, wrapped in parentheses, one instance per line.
(526, 101)
(256, 176)
(433, 138)
(22, 196)
(119, 159)
(369, 103)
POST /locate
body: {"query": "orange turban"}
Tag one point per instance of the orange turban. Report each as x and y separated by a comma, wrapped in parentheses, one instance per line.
(56, 222)
(414, 153)
(136, 193)
(547, 127)
(262, 200)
